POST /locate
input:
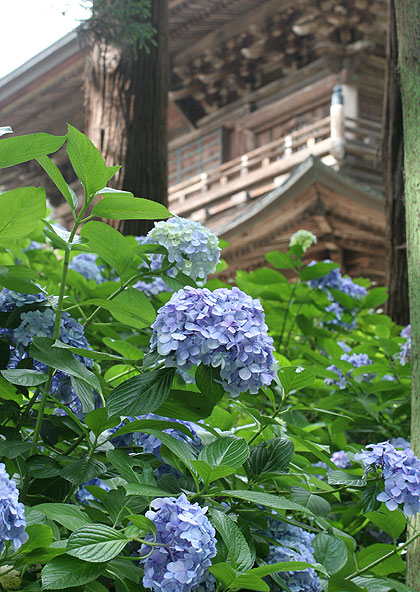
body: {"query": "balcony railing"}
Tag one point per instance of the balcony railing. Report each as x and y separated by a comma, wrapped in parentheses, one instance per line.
(261, 170)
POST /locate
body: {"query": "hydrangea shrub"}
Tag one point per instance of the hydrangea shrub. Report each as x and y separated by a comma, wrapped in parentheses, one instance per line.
(215, 438)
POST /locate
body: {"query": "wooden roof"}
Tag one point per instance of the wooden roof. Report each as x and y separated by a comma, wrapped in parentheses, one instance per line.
(347, 218)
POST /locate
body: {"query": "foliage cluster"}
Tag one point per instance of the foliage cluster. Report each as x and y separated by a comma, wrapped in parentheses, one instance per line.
(136, 474)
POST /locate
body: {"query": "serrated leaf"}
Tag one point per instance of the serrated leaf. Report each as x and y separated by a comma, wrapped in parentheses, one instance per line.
(126, 207)
(249, 582)
(271, 456)
(30, 202)
(69, 516)
(223, 572)
(294, 378)
(23, 148)
(276, 502)
(185, 405)
(229, 451)
(57, 178)
(392, 522)
(13, 449)
(42, 467)
(141, 394)
(330, 551)
(208, 381)
(96, 543)
(81, 470)
(368, 555)
(234, 540)
(39, 535)
(317, 504)
(98, 421)
(145, 490)
(65, 572)
(342, 478)
(24, 377)
(369, 501)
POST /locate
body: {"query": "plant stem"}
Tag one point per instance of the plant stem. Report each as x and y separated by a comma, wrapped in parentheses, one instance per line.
(386, 556)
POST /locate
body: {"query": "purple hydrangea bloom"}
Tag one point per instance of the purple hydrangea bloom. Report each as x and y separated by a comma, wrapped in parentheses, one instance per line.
(40, 323)
(356, 360)
(401, 474)
(293, 544)
(152, 288)
(188, 545)
(12, 512)
(9, 300)
(340, 459)
(151, 444)
(193, 248)
(224, 329)
(401, 443)
(85, 264)
(83, 496)
(405, 352)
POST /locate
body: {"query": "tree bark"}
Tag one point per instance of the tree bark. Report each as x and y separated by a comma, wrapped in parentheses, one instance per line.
(408, 28)
(126, 97)
(393, 175)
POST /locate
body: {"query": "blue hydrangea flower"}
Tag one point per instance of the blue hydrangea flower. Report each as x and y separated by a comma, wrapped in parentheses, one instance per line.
(12, 512)
(40, 323)
(302, 238)
(85, 264)
(356, 360)
(225, 329)
(9, 300)
(152, 288)
(401, 443)
(401, 474)
(293, 544)
(405, 352)
(193, 248)
(340, 459)
(83, 496)
(188, 545)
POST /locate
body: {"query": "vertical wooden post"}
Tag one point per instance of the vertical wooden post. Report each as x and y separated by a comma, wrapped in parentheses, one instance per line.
(408, 31)
(337, 123)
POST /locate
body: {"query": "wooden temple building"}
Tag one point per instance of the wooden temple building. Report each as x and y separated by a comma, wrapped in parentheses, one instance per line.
(274, 123)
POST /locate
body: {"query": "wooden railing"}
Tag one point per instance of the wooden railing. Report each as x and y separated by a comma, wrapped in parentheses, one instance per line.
(261, 170)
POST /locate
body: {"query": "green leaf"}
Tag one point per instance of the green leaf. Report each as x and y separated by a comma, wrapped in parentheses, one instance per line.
(42, 467)
(186, 405)
(207, 379)
(313, 272)
(375, 297)
(57, 178)
(368, 555)
(141, 394)
(223, 572)
(126, 207)
(13, 449)
(369, 501)
(145, 524)
(124, 465)
(145, 490)
(394, 523)
(19, 278)
(279, 260)
(337, 583)
(342, 478)
(271, 456)
(39, 536)
(294, 378)
(276, 502)
(70, 517)
(30, 202)
(96, 543)
(42, 350)
(23, 148)
(228, 451)
(84, 392)
(249, 582)
(330, 551)
(179, 448)
(87, 162)
(66, 572)
(98, 421)
(209, 474)
(265, 570)
(110, 245)
(234, 540)
(81, 470)
(134, 301)
(315, 503)
(25, 377)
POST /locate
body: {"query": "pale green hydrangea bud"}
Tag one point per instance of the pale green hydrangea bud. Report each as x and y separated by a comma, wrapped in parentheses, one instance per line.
(302, 238)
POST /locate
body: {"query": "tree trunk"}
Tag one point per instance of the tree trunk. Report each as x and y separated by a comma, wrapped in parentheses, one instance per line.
(126, 115)
(408, 27)
(392, 167)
